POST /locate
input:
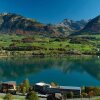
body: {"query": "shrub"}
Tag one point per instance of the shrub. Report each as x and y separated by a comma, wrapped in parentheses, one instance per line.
(53, 84)
(51, 97)
(91, 94)
(79, 40)
(8, 97)
(28, 40)
(26, 85)
(32, 96)
(84, 94)
(70, 95)
(24, 90)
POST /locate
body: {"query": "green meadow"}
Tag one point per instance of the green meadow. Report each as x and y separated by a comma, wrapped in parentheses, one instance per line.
(39, 45)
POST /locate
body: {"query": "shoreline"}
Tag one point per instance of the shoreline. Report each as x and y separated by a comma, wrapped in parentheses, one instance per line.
(20, 54)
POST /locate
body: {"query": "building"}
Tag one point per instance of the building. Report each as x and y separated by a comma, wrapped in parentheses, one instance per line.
(44, 88)
(8, 87)
(41, 87)
(70, 89)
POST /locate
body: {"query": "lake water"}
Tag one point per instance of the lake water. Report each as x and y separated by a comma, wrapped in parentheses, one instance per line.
(70, 70)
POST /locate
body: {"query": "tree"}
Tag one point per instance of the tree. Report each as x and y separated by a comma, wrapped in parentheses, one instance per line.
(24, 90)
(26, 84)
(32, 96)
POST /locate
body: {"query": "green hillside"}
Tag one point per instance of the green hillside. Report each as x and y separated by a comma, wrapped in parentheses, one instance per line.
(39, 45)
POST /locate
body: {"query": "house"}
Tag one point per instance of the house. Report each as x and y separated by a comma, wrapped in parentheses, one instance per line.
(44, 88)
(41, 87)
(68, 89)
(8, 87)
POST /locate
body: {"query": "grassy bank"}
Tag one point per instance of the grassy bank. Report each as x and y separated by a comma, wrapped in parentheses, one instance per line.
(14, 97)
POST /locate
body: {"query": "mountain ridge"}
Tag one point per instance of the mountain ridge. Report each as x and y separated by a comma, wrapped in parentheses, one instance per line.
(74, 25)
(11, 23)
(93, 26)
(15, 23)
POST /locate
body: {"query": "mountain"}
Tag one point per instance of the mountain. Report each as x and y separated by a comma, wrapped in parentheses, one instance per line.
(13, 23)
(72, 25)
(93, 26)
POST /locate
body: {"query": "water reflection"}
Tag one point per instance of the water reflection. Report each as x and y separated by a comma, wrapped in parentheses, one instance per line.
(17, 67)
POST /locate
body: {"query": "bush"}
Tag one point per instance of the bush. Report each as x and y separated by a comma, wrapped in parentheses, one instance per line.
(70, 95)
(32, 96)
(51, 97)
(26, 85)
(8, 97)
(91, 94)
(92, 91)
(54, 84)
(79, 40)
(24, 90)
(84, 95)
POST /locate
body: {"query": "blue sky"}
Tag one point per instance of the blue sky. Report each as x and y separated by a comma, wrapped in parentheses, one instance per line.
(52, 11)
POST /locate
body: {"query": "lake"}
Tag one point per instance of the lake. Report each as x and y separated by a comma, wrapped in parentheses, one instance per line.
(70, 70)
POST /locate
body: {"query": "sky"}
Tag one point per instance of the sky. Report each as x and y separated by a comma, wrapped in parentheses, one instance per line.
(52, 11)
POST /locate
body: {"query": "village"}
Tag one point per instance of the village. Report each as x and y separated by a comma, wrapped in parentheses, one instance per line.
(44, 91)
